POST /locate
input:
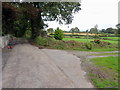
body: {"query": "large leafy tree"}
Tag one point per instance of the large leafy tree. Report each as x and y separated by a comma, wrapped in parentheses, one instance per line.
(35, 13)
(111, 30)
(74, 30)
(9, 15)
(93, 30)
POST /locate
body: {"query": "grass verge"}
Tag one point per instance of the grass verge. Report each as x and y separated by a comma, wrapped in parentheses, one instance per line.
(74, 45)
(107, 75)
(106, 54)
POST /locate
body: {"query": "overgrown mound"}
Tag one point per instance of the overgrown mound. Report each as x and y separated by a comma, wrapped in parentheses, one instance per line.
(71, 45)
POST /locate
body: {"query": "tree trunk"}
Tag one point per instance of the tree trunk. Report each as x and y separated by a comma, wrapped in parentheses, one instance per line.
(32, 29)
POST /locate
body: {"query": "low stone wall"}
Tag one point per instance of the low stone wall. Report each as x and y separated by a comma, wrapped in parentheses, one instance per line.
(4, 40)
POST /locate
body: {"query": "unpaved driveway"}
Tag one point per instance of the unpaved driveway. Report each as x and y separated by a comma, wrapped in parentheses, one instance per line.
(0, 68)
(26, 66)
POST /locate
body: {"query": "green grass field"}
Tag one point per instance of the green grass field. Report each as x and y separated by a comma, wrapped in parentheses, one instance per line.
(77, 39)
(97, 49)
(109, 65)
(85, 40)
(106, 54)
(113, 38)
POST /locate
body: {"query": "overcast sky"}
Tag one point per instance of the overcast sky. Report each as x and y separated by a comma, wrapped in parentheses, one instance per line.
(104, 13)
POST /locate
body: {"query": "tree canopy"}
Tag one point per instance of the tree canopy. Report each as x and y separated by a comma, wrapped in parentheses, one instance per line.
(33, 14)
(74, 30)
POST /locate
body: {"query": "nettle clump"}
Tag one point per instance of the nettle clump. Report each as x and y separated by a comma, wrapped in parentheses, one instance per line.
(59, 35)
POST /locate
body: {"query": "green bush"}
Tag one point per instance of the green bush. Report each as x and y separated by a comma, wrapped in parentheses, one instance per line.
(89, 46)
(97, 41)
(59, 35)
(41, 41)
(103, 43)
(44, 41)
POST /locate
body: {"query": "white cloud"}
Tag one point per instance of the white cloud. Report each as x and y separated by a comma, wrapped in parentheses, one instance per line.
(104, 13)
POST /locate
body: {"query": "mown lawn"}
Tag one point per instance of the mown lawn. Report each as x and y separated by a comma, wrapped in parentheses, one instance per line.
(85, 40)
(109, 65)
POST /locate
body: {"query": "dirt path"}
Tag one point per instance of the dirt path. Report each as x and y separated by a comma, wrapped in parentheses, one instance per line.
(26, 66)
(0, 68)
(84, 54)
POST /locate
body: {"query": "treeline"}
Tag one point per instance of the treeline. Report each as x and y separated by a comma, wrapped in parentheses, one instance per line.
(92, 31)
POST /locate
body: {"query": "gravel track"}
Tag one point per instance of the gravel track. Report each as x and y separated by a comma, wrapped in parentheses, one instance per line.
(26, 66)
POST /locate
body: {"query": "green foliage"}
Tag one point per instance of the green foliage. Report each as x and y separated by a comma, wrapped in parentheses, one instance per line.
(88, 46)
(59, 11)
(40, 41)
(93, 30)
(97, 41)
(50, 30)
(110, 67)
(23, 15)
(110, 38)
(104, 44)
(74, 30)
(107, 54)
(59, 35)
(44, 41)
(28, 33)
(110, 63)
(59, 45)
(96, 36)
(110, 31)
(89, 40)
(76, 45)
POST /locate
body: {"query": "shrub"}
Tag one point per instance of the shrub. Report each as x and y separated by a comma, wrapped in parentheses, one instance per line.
(40, 41)
(97, 41)
(59, 35)
(103, 43)
(59, 45)
(89, 46)
(44, 41)
(71, 36)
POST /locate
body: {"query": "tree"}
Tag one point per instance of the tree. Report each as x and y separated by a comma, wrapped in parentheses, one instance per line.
(110, 30)
(118, 25)
(50, 30)
(38, 12)
(77, 30)
(72, 30)
(9, 15)
(103, 31)
(59, 35)
(94, 30)
(118, 30)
